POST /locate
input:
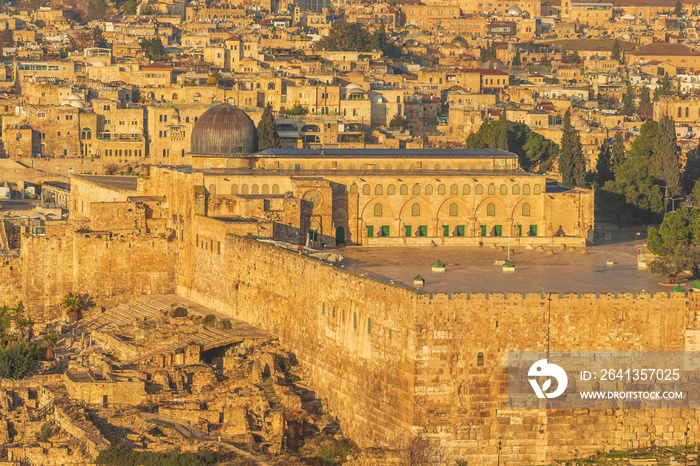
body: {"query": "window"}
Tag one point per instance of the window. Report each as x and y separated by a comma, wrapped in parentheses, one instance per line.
(454, 190)
(441, 190)
(234, 189)
(526, 189)
(415, 210)
(86, 133)
(490, 210)
(255, 190)
(429, 189)
(275, 189)
(479, 190)
(480, 359)
(504, 190)
(416, 189)
(244, 189)
(353, 189)
(354, 320)
(391, 190)
(492, 190)
(377, 210)
(378, 191)
(453, 210)
(366, 190)
(537, 190)
(526, 210)
(404, 190)
(369, 325)
(466, 190)
(516, 189)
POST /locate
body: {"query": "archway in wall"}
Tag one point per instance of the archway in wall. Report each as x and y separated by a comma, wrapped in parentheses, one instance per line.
(340, 236)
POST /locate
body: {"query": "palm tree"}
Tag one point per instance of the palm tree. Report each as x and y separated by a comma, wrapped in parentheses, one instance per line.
(51, 339)
(30, 329)
(10, 338)
(21, 325)
(17, 311)
(5, 318)
(73, 303)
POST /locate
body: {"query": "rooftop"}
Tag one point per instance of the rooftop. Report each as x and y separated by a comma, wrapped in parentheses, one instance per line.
(388, 153)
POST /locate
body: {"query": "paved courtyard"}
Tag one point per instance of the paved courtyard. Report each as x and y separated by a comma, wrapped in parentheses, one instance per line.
(473, 269)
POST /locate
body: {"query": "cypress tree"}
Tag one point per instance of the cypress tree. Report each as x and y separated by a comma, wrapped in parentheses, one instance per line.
(646, 109)
(617, 152)
(615, 50)
(665, 156)
(501, 133)
(516, 59)
(691, 172)
(628, 107)
(267, 130)
(604, 165)
(572, 164)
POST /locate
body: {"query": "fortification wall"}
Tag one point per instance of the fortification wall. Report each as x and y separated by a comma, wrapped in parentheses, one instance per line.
(10, 281)
(390, 361)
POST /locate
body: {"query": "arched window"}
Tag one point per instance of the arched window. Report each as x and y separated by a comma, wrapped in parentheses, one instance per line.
(479, 190)
(687, 112)
(86, 133)
(490, 210)
(354, 320)
(404, 190)
(212, 189)
(415, 210)
(441, 190)
(526, 210)
(429, 189)
(353, 189)
(174, 97)
(680, 112)
(256, 189)
(275, 189)
(369, 325)
(187, 119)
(454, 190)
(466, 190)
(271, 87)
(377, 210)
(453, 210)
(265, 189)
(537, 190)
(416, 189)
(436, 167)
(492, 189)
(391, 190)
(378, 191)
(480, 359)
(323, 308)
(366, 190)
(516, 189)
(526, 190)
(504, 190)
(234, 189)
(244, 189)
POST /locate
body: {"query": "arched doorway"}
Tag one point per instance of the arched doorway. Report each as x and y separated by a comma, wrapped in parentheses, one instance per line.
(339, 235)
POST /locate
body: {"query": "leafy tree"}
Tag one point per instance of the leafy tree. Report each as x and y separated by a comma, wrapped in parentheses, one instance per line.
(545, 61)
(214, 78)
(267, 130)
(348, 37)
(6, 38)
(691, 171)
(628, 107)
(666, 165)
(490, 53)
(51, 339)
(572, 164)
(617, 152)
(147, 10)
(664, 88)
(298, 109)
(604, 164)
(153, 48)
(398, 122)
(573, 57)
(646, 108)
(643, 145)
(615, 55)
(678, 10)
(129, 7)
(696, 194)
(517, 61)
(73, 303)
(535, 152)
(96, 10)
(87, 38)
(677, 242)
(16, 360)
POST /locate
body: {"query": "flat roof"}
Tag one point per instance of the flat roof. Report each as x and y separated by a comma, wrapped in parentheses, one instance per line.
(388, 153)
(474, 269)
(128, 183)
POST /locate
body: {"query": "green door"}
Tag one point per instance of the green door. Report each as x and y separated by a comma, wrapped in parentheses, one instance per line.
(339, 235)
(313, 234)
(520, 230)
(385, 230)
(370, 231)
(499, 230)
(460, 230)
(423, 230)
(483, 230)
(409, 231)
(533, 230)
(445, 230)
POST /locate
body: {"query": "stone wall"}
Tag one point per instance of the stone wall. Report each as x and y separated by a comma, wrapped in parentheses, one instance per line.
(10, 280)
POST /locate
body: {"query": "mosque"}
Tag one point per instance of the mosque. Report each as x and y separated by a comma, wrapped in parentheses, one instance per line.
(375, 197)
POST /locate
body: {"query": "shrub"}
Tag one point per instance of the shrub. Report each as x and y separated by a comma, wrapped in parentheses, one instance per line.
(225, 324)
(16, 360)
(45, 433)
(209, 319)
(179, 312)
